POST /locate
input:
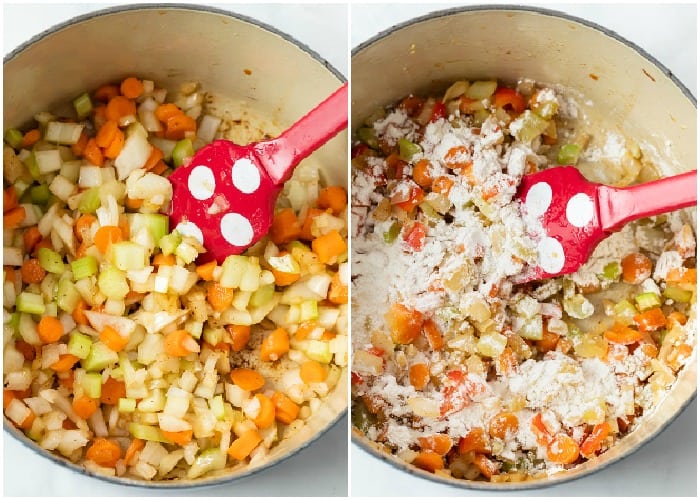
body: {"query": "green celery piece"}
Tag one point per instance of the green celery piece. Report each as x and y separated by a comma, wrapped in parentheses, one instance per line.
(168, 243)
(647, 300)
(156, 224)
(611, 271)
(84, 267)
(90, 201)
(30, 303)
(368, 136)
(112, 282)
(211, 459)
(393, 232)
(213, 336)
(318, 350)
(128, 256)
(100, 357)
(67, 295)
(216, 404)
(531, 125)
(408, 149)
(79, 344)
(39, 194)
(677, 294)
(183, 149)
(568, 154)
(309, 310)
(92, 385)
(126, 405)
(232, 270)
(82, 105)
(262, 295)
(625, 311)
(32, 166)
(14, 137)
(481, 89)
(51, 261)
(146, 432)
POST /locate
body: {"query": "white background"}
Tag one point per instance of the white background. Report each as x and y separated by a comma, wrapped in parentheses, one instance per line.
(320, 469)
(668, 465)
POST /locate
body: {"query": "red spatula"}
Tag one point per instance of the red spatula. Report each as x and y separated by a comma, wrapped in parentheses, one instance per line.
(225, 196)
(577, 214)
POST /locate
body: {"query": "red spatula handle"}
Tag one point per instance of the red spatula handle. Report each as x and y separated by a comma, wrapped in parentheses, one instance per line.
(279, 156)
(621, 205)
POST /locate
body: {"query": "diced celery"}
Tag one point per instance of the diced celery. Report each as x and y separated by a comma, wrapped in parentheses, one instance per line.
(32, 166)
(117, 373)
(79, 344)
(429, 211)
(112, 283)
(611, 271)
(183, 149)
(568, 154)
(647, 300)
(82, 105)
(368, 136)
(30, 303)
(92, 384)
(127, 405)
(250, 280)
(14, 137)
(169, 242)
(528, 126)
(481, 89)
(624, 312)
(677, 294)
(155, 224)
(208, 460)
(232, 270)
(51, 309)
(84, 267)
(39, 194)
(262, 295)
(578, 306)
(318, 350)
(51, 261)
(408, 149)
(14, 321)
(128, 256)
(67, 295)
(153, 403)
(186, 252)
(216, 404)
(308, 310)
(491, 344)
(213, 336)
(146, 432)
(100, 357)
(90, 201)
(392, 233)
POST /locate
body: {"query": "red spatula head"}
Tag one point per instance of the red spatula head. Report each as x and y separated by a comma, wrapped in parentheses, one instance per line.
(223, 197)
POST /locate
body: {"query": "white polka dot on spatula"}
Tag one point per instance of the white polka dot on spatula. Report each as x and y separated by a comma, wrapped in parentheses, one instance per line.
(550, 255)
(245, 176)
(579, 210)
(538, 199)
(201, 182)
(190, 229)
(236, 229)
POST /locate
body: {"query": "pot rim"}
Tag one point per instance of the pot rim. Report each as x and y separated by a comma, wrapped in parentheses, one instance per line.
(183, 483)
(363, 442)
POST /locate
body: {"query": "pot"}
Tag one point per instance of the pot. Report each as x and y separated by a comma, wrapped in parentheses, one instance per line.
(218, 49)
(428, 53)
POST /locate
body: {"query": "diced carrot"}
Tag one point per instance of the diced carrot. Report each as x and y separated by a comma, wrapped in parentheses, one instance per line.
(31, 137)
(177, 126)
(404, 324)
(85, 406)
(79, 147)
(428, 460)
(475, 440)
(563, 449)
(442, 185)
(412, 104)
(28, 421)
(131, 87)
(266, 415)
(206, 271)
(674, 319)
(106, 92)
(32, 272)
(220, 297)
(133, 204)
(240, 335)
(682, 275)
(284, 278)
(113, 339)
(134, 447)
(286, 410)
(285, 227)
(333, 197)
(433, 334)
(178, 437)
(112, 390)
(9, 199)
(244, 445)
(505, 97)
(636, 267)
(50, 329)
(14, 217)
(160, 167)
(247, 379)
(337, 291)
(115, 147)
(105, 236)
(548, 342)
(118, 107)
(422, 174)
(274, 345)
(166, 111)
(83, 225)
(595, 439)
(107, 133)
(27, 349)
(31, 237)
(621, 334)
(502, 424)
(329, 246)
(222, 346)
(65, 362)
(311, 214)
(78, 313)
(7, 397)
(304, 329)
(507, 361)
(164, 260)
(487, 466)
(153, 159)
(92, 153)
(651, 320)
(439, 443)
(104, 452)
(419, 376)
(179, 343)
(539, 428)
(414, 199)
(312, 372)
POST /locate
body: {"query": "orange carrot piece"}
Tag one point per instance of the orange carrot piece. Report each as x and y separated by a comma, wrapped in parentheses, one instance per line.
(106, 92)
(92, 153)
(304, 329)
(153, 158)
(32, 272)
(621, 334)
(283, 278)
(548, 342)
(176, 127)
(306, 227)
(682, 276)
(312, 372)
(166, 111)
(636, 267)
(247, 379)
(131, 87)
(428, 460)
(79, 147)
(422, 174)
(266, 415)
(439, 443)
(83, 225)
(105, 236)
(503, 424)
(118, 107)
(220, 297)
(31, 237)
(487, 466)
(104, 452)
(113, 339)
(595, 439)
(178, 437)
(160, 167)
(285, 227)
(419, 376)
(164, 260)
(329, 246)
(433, 335)
(275, 345)
(651, 320)
(107, 133)
(404, 324)
(50, 329)
(65, 362)
(442, 185)
(475, 440)
(9, 199)
(27, 349)
(13, 218)
(240, 335)
(7, 397)
(28, 421)
(206, 271)
(177, 343)
(286, 410)
(563, 449)
(85, 406)
(112, 390)
(134, 447)
(78, 313)
(337, 292)
(116, 146)
(244, 445)
(31, 137)
(333, 197)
